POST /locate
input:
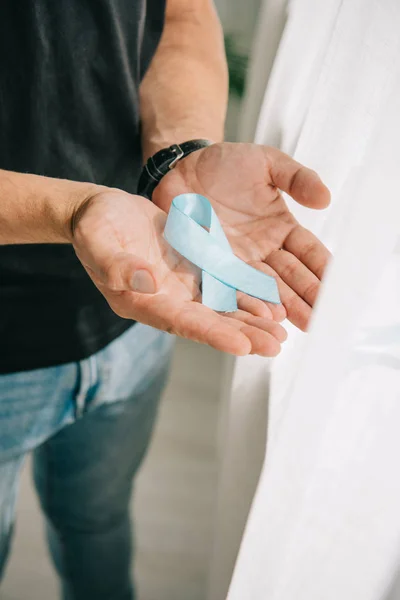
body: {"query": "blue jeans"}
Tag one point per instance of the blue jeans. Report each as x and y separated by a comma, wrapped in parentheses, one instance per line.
(88, 425)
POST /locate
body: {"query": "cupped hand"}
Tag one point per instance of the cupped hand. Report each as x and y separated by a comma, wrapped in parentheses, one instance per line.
(244, 182)
(118, 238)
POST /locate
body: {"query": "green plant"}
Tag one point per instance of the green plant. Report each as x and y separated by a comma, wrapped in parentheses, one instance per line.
(237, 65)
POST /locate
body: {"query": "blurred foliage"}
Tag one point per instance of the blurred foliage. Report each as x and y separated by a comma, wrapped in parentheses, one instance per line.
(237, 64)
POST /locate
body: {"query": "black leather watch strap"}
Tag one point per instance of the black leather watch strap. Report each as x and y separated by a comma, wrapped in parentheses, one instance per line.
(162, 162)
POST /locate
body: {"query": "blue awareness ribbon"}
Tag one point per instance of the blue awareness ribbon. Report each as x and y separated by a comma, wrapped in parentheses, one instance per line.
(222, 272)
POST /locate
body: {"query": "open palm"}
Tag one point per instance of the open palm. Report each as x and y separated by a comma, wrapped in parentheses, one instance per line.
(118, 238)
(243, 183)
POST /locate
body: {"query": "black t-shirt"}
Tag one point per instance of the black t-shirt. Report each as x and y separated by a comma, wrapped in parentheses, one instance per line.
(69, 77)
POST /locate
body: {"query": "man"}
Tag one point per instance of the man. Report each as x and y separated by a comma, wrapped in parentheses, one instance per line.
(80, 384)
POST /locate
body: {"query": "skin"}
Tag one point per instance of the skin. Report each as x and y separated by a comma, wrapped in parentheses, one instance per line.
(243, 182)
(112, 230)
(118, 236)
(113, 255)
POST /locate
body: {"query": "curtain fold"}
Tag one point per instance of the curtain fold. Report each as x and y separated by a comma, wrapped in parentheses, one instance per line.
(325, 521)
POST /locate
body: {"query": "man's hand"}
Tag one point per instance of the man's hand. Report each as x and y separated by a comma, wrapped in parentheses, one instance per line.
(184, 96)
(243, 183)
(118, 238)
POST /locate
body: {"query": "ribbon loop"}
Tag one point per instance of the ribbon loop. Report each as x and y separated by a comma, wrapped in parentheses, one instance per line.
(222, 272)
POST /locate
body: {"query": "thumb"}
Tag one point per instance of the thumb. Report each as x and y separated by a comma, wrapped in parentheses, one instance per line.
(129, 272)
(302, 184)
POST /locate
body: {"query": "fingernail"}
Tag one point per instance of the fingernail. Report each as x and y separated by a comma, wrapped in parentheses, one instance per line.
(143, 282)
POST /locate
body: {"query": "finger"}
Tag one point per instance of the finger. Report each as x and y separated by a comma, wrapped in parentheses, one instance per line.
(278, 311)
(254, 306)
(303, 184)
(220, 331)
(296, 275)
(263, 342)
(222, 336)
(203, 325)
(196, 322)
(298, 311)
(190, 320)
(308, 249)
(267, 325)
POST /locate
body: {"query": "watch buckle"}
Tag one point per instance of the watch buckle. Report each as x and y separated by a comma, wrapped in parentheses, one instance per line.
(179, 154)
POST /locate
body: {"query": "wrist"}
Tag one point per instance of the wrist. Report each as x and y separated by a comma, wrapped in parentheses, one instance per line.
(164, 161)
(36, 209)
(81, 195)
(156, 143)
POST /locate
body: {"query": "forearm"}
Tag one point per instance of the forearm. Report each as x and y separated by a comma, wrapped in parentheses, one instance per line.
(185, 92)
(36, 209)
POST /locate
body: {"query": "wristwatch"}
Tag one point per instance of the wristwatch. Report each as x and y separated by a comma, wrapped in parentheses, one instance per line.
(162, 162)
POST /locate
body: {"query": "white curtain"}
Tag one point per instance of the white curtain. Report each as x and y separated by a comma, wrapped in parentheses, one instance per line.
(325, 522)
